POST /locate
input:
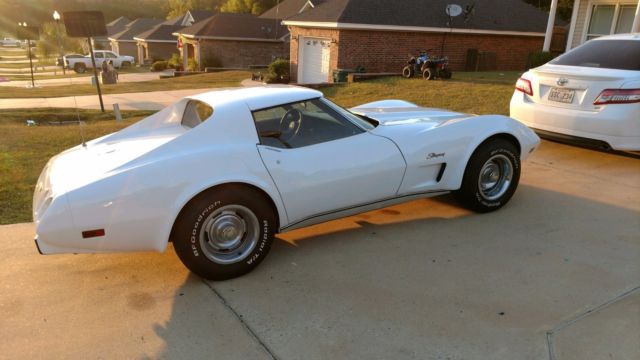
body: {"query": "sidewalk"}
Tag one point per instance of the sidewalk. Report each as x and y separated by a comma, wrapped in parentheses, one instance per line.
(123, 78)
(154, 100)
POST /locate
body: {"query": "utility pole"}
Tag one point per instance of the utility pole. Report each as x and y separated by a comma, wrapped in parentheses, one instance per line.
(95, 73)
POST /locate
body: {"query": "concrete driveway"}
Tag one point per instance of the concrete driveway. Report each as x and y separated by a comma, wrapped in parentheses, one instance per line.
(553, 275)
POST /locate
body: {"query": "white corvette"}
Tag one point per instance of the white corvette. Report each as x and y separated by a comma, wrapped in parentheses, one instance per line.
(220, 173)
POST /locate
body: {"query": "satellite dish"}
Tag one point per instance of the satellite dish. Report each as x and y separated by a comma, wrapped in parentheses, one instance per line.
(453, 10)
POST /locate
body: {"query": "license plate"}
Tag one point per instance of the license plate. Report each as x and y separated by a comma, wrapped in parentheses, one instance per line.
(561, 95)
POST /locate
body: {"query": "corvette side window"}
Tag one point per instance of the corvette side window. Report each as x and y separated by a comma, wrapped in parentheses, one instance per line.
(195, 113)
(302, 124)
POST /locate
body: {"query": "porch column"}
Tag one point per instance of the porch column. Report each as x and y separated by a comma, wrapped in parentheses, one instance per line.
(185, 55)
(572, 26)
(636, 21)
(140, 54)
(550, 23)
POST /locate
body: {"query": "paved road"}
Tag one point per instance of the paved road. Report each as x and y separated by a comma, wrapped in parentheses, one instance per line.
(155, 100)
(558, 265)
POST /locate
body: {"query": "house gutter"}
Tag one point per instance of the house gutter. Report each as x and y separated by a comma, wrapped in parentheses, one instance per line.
(202, 37)
(350, 26)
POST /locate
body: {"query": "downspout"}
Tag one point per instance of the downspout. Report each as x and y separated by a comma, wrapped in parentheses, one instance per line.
(636, 20)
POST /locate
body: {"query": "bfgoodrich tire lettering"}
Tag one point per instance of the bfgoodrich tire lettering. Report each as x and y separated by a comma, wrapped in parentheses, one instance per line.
(224, 232)
(491, 176)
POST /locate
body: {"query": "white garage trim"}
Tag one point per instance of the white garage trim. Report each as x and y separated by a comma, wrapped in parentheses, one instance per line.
(314, 60)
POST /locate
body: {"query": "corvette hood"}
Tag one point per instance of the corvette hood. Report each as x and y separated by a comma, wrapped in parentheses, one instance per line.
(398, 112)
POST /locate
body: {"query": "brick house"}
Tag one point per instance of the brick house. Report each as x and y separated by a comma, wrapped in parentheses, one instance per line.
(159, 41)
(123, 43)
(235, 40)
(379, 35)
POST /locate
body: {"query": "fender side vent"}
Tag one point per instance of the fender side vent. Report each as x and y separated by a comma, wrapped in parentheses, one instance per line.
(441, 172)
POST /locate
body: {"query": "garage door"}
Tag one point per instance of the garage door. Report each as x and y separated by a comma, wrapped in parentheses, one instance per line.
(314, 60)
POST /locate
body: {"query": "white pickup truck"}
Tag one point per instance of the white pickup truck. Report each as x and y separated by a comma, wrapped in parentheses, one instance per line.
(81, 64)
(9, 42)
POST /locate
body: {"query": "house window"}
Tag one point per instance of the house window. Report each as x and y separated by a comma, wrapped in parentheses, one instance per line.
(610, 19)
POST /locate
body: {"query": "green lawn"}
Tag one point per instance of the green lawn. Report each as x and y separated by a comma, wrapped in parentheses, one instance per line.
(68, 74)
(465, 96)
(211, 80)
(25, 65)
(25, 150)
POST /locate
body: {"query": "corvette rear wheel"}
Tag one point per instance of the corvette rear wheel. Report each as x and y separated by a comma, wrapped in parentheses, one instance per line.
(224, 232)
(491, 176)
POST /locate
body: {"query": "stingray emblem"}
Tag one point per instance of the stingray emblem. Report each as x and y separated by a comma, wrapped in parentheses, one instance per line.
(434, 155)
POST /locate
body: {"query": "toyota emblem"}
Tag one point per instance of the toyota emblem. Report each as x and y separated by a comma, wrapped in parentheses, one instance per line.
(562, 82)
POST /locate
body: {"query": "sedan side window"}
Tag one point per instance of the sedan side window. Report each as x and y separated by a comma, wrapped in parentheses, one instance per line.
(195, 113)
(302, 124)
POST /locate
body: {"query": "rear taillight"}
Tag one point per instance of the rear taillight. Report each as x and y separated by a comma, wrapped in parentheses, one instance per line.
(524, 85)
(618, 96)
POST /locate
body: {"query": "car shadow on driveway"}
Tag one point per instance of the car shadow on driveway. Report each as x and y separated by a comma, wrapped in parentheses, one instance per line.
(429, 280)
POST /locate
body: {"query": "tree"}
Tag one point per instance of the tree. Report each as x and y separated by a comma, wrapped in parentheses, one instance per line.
(564, 7)
(50, 40)
(179, 7)
(256, 7)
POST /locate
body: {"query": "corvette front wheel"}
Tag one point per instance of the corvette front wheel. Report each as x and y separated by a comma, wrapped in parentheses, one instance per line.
(491, 176)
(225, 232)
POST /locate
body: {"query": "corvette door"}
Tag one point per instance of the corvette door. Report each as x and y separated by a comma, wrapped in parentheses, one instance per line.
(322, 162)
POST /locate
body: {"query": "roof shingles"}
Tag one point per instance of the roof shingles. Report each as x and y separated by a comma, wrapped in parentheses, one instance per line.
(237, 26)
(495, 15)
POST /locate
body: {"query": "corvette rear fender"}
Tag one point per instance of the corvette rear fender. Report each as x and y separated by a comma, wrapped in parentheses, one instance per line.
(266, 189)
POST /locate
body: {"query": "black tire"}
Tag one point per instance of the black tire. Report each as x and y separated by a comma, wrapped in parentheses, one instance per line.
(80, 68)
(407, 72)
(214, 217)
(427, 74)
(496, 156)
(445, 74)
(125, 64)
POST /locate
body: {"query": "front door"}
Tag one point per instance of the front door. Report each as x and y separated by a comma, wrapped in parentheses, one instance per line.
(322, 162)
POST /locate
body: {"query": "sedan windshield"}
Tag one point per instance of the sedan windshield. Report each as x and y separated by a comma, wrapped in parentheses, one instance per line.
(609, 54)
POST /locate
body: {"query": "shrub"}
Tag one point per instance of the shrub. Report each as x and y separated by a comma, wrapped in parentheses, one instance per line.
(278, 72)
(192, 65)
(175, 62)
(210, 60)
(159, 66)
(538, 58)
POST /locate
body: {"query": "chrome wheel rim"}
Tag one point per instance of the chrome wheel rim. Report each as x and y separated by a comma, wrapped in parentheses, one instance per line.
(229, 234)
(495, 177)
